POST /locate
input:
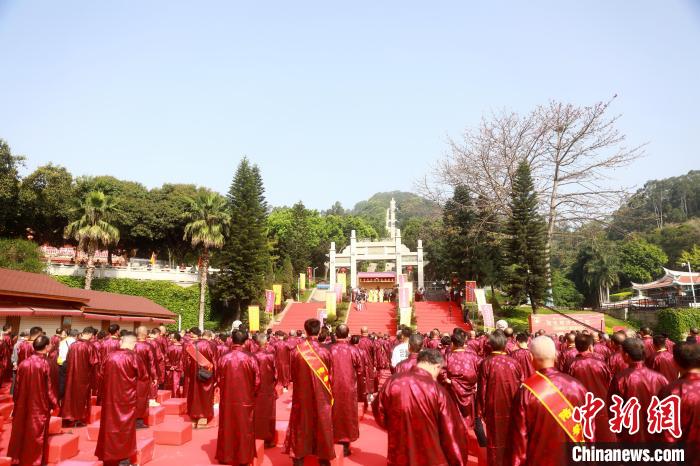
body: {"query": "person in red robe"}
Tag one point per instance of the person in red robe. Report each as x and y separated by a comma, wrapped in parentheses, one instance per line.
(423, 424)
(146, 390)
(112, 342)
(568, 353)
(174, 366)
(616, 361)
(537, 438)
(511, 343)
(687, 388)
(369, 362)
(238, 377)
(6, 352)
(460, 376)
(595, 376)
(415, 345)
(34, 399)
(523, 355)
(310, 430)
(121, 372)
(694, 332)
(54, 341)
(663, 359)
(200, 392)
(600, 345)
(266, 399)
(154, 341)
(282, 360)
(434, 341)
(636, 381)
(346, 363)
(26, 348)
(222, 347)
(81, 371)
(499, 379)
(648, 340)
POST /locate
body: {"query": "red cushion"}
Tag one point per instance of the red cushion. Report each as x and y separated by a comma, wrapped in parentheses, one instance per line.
(163, 395)
(93, 430)
(55, 425)
(62, 447)
(144, 451)
(172, 433)
(156, 415)
(175, 406)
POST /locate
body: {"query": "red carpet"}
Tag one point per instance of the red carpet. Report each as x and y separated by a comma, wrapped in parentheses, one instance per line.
(377, 317)
(296, 315)
(438, 314)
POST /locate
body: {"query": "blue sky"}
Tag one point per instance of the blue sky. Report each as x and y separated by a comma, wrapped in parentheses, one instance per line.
(333, 102)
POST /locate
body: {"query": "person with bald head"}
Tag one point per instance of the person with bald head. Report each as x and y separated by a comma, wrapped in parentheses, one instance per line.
(537, 437)
(369, 362)
(523, 355)
(616, 361)
(511, 344)
(568, 352)
(460, 376)
(499, 378)
(647, 337)
(346, 367)
(201, 354)
(415, 344)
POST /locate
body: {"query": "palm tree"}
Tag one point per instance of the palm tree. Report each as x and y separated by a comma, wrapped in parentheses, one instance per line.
(92, 230)
(208, 223)
(601, 270)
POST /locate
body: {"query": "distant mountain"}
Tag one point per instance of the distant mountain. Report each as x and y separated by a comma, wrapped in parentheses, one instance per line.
(408, 205)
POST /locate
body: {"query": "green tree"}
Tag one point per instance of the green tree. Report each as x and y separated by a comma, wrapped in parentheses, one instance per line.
(9, 189)
(596, 270)
(527, 255)
(92, 229)
(300, 240)
(21, 254)
(45, 198)
(208, 223)
(692, 256)
(640, 261)
(245, 255)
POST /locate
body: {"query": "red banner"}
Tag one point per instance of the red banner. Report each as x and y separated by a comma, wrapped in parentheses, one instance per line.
(469, 287)
(556, 323)
(269, 301)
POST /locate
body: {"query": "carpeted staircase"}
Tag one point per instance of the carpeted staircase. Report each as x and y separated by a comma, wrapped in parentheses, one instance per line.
(439, 314)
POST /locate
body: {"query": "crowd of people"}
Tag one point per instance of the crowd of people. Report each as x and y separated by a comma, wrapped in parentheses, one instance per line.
(427, 391)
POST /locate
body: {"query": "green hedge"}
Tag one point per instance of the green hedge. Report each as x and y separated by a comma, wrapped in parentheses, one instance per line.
(184, 301)
(676, 322)
(621, 296)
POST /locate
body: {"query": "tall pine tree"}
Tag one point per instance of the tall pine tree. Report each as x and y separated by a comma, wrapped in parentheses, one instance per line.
(245, 256)
(527, 242)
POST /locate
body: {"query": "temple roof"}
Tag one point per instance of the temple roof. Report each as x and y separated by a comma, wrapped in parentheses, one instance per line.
(671, 278)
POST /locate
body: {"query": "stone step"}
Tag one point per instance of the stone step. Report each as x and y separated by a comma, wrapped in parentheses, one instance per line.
(156, 415)
(95, 412)
(93, 430)
(55, 425)
(62, 447)
(163, 395)
(172, 432)
(175, 406)
(144, 451)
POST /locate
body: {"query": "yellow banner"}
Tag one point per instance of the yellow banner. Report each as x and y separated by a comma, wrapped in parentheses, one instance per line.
(405, 316)
(278, 294)
(330, 303)
(342, 279)
(302, 281)
(254, 318)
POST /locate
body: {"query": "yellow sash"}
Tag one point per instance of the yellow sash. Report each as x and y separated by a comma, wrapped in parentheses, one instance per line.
(317, 366)
(556, 404)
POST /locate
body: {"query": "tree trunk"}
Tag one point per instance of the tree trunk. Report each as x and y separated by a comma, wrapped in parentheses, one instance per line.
(203, 274)
(90, 267)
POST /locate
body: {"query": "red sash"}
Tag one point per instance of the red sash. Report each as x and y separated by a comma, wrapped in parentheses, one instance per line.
(317, 366)
(556, 404)
(199, 358)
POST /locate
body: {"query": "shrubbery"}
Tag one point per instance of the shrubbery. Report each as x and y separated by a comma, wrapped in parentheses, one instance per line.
(676, 322)
(21, 254)
(183, 301)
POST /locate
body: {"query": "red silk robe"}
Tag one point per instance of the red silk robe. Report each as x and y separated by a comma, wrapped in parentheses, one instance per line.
(665, 365)
(475, 345)
(595, 376)
(109, 345)
(499, 379)
(511, 346)
(649, 350)
(239, 380)
(602, 349)
(122, 370)
(536, 438)
(370, 364)
(24, 350)
(310, 430)
(173, 372)
(687, 388)
(616, 362)
(462, 370)
(266, 399)
(643, 383)
(524, 358)
(346, 362)
(144, 390)
(82, 363)
(282, 363)
(565, 358)
(423, 424)
(433, 343)
(251, 346)
(407, 364)
(200, 394)
(34, 398)
(159, 358)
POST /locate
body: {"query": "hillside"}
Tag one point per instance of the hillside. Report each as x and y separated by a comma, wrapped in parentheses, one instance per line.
(408, 205)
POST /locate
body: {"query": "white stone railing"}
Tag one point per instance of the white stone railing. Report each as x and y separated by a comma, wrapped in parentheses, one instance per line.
(182, 276)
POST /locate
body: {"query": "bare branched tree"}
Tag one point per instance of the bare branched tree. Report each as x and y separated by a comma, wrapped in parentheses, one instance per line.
(572, 152)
